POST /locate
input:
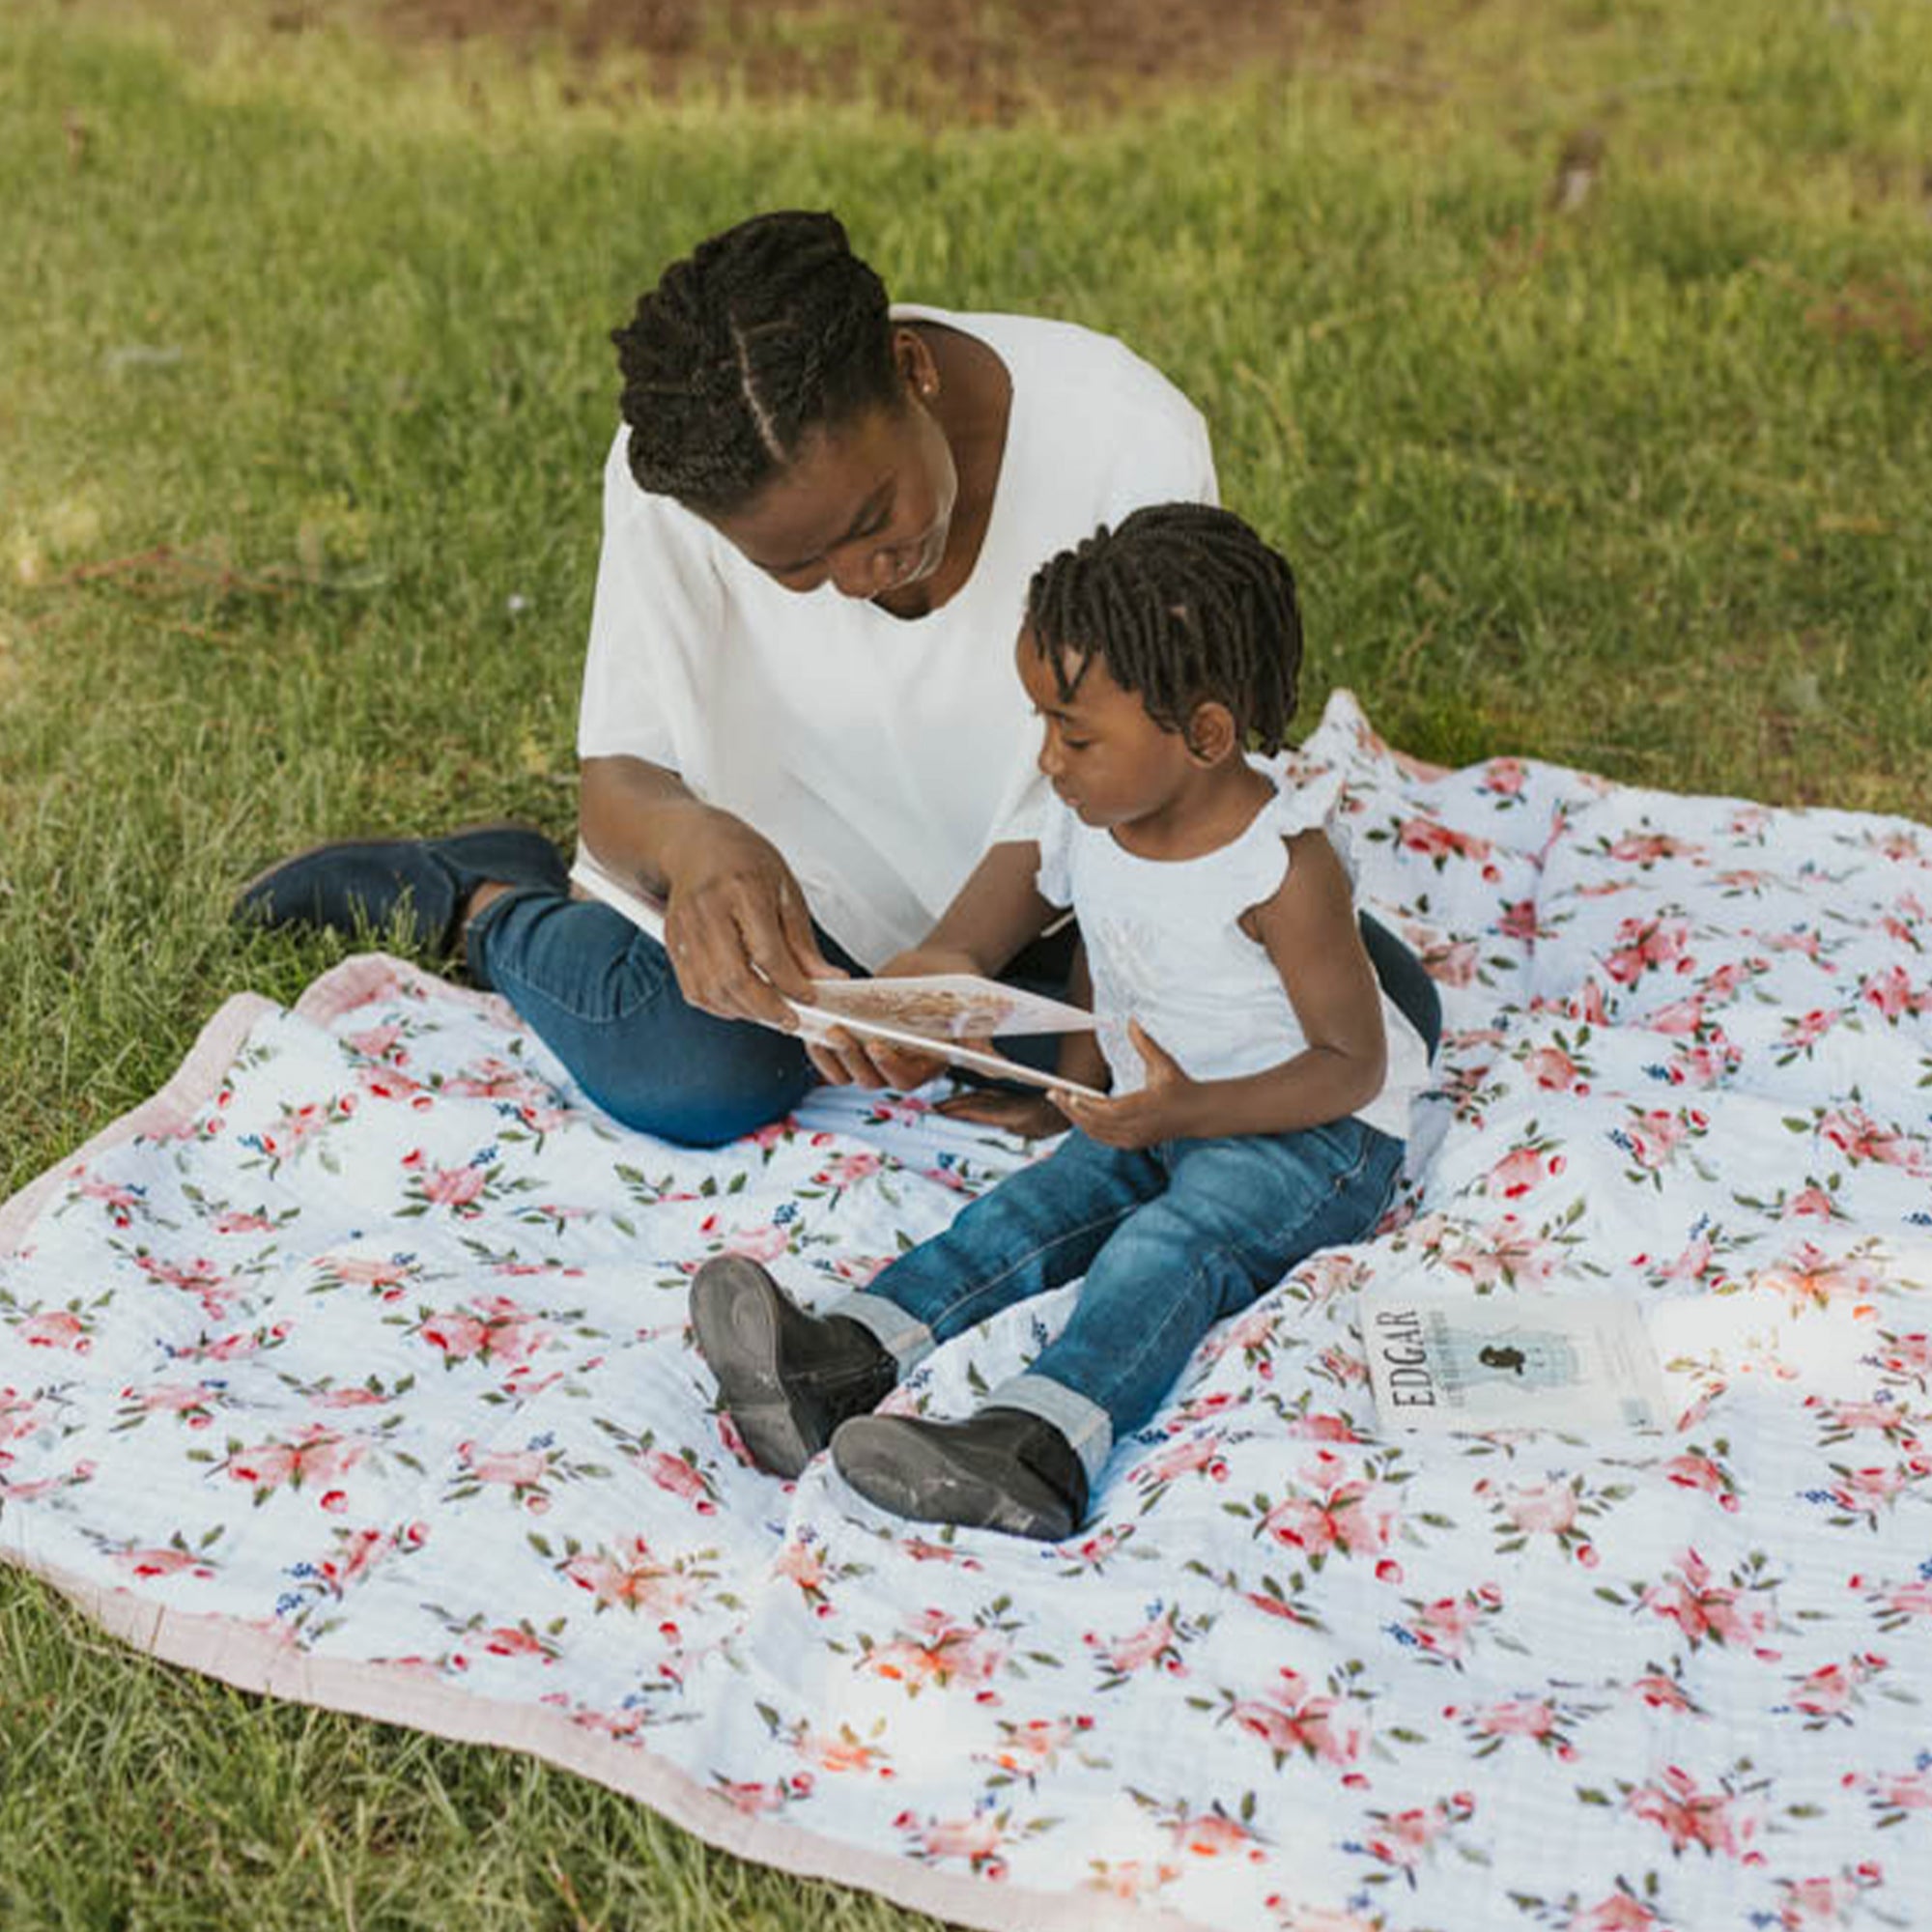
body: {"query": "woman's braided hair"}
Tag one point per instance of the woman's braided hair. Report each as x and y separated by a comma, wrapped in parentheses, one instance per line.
(1183, 604)
(759, 337)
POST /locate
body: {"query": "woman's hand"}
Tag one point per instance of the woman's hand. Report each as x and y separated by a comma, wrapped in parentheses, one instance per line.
(736, 924)
(1167, 1108)
(847, 1059)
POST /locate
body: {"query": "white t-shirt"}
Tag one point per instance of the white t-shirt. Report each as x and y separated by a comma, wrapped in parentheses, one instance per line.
(882, 755)
(1166, 948)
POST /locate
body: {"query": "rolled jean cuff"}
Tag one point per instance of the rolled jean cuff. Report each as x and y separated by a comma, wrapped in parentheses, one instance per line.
(904, 1337)
(1087, 1426)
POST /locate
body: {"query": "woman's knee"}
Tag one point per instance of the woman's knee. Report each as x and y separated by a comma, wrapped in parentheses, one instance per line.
(699, 1092)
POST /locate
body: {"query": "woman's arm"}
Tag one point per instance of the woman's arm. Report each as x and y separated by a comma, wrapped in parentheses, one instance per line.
(736, 924)
(1309, 931)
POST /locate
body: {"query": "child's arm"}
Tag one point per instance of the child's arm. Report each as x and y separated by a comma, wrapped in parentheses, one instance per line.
(1309, 931)
(995, 913)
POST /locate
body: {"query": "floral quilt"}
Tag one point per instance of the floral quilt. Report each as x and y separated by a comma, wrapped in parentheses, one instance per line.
(355, 1367)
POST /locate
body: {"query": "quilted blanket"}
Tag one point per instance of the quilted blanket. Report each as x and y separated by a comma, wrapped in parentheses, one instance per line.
(354, 1367)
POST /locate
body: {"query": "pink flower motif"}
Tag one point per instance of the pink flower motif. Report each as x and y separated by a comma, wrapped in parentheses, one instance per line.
(1645, 848)
(936, 1650)
(1706, 1611)
(56, 1328)
(1903, 1791)
(458, 1335)
(364, 1271)
(1201, 1454)
(1809, 1028)
(352, 1397)
(1213, 1835)
(518, 1469)
(1295, 1718)
(758, 1244)
(1552, 1068)
(314, 1454)
(454, 1187)
(1452, 962)
(1893, 993)
(507, 1640)
(1689, 1816)
(848, 1169)
(1550, 1509)
(235, 1222)
(1812, 1200)
(1128, 1654)
(1514, 1717)
(975, 1838)
(1356, 1517)
(1619, 1912)
(1519, 921)
(1693, 1470)
(630, 1576)
(158, 1561)
(1858, 1137)
(1521, 1170)
(673, 1473)
(800, 1561)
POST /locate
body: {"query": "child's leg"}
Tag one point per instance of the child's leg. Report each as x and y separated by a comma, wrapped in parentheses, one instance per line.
(1035, 1230)
(1235, 1216)
(789, 1376)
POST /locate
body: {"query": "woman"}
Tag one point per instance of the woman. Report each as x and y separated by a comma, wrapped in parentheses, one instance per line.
(800, 725)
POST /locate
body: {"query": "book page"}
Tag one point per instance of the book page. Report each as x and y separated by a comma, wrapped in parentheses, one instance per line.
(1565, 1362)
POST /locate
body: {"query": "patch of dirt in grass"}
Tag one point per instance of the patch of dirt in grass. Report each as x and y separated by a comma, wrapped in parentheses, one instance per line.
(973, 60)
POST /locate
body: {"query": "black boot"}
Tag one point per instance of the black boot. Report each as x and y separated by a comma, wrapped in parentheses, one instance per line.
(789, 1379)
(1003, 1470)
(357, 885)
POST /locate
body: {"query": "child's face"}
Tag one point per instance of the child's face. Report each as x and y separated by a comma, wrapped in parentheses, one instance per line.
(1099, 750)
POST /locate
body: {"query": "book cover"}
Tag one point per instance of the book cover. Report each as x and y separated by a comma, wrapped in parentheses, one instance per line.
(941, 1013)
(1571, 1363)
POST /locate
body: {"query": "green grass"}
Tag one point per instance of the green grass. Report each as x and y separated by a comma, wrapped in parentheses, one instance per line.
(1645, 487)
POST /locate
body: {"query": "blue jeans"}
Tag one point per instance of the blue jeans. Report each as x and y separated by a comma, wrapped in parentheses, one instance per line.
(1172, 1239)
(602, 996)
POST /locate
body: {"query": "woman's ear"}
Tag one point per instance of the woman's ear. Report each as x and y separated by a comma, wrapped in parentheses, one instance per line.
(1210, 733)
(916, 365)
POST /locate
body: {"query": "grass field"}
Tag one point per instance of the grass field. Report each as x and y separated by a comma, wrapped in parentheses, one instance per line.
(303, 396)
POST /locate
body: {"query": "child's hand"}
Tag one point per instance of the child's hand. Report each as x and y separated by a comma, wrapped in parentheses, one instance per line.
(1167, 1108)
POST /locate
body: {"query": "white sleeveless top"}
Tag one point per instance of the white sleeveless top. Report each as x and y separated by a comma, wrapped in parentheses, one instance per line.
(1166, 948)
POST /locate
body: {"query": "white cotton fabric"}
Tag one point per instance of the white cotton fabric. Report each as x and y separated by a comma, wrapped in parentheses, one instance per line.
(881, 755)
(1166, 947)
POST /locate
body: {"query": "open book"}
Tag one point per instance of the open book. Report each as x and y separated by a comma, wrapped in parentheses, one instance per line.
(940, 1013)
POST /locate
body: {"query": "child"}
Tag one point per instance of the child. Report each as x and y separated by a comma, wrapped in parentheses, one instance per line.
(1261, 1080)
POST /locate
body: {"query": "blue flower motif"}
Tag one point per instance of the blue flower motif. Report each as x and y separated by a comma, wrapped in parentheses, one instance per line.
(785, 1214)
(1405, 1636)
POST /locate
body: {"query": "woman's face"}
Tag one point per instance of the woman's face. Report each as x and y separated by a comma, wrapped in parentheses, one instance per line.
(867, 507)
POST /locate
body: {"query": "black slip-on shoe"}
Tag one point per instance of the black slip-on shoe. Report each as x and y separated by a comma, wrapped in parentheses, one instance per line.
(1001, 1469)
(789, 1377)
(352, 884)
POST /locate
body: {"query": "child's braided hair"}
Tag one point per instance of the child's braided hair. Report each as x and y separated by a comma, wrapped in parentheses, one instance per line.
(759, 337)
(1183, 604)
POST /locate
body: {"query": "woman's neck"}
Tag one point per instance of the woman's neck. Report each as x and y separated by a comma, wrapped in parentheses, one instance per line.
(973, 408)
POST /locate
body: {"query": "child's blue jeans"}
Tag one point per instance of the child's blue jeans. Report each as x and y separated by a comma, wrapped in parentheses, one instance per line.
(1172, 1239)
